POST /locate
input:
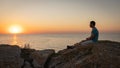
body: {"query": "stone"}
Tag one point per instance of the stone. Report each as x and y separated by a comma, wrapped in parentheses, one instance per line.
(41, 57)
(10, 57)
(104, 54)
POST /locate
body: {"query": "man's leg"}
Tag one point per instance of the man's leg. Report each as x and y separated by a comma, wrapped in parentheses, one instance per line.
(87, 42)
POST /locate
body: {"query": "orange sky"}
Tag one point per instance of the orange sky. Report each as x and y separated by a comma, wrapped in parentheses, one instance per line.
(53, 16)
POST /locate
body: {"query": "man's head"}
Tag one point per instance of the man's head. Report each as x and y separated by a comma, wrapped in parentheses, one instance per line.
(92, 24)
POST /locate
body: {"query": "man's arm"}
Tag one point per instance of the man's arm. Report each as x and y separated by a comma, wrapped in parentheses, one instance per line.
(91, 37)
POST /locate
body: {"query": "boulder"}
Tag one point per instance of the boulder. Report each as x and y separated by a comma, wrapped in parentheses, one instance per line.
(104, 54)
(27, 65)
(41, 57)
(10, 56)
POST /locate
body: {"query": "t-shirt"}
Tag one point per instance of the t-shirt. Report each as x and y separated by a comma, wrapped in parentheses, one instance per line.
(95, 32)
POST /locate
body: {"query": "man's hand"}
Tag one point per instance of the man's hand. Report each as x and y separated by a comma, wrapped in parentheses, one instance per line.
(89, 38)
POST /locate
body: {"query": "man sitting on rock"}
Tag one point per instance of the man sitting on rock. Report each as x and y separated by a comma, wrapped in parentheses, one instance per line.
(92, 39)
(94, 35)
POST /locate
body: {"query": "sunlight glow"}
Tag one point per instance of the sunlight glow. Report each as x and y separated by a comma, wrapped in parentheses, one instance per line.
(15, 29)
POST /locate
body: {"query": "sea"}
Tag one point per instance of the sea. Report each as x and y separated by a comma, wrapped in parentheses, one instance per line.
(52, 41)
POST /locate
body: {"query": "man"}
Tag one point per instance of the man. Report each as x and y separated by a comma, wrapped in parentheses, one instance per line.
(92, 39)
(94, 35)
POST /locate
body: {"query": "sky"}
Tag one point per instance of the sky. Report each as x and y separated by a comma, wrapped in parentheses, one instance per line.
(59, 16)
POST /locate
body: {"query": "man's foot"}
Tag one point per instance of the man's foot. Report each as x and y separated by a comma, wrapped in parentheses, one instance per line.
(70, 47)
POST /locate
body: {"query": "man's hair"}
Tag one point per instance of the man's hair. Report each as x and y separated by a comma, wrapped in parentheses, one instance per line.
(92, 22)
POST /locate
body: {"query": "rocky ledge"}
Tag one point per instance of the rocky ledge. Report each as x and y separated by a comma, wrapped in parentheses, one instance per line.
(104, 54)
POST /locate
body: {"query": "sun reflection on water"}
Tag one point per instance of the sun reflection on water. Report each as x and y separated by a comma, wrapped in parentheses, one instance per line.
(14, 41)
(17, 41)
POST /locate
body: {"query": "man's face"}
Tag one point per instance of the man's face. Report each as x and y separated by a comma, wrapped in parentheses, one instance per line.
(91, 25)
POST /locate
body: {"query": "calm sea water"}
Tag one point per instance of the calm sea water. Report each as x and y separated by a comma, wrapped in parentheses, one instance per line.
(52, 41)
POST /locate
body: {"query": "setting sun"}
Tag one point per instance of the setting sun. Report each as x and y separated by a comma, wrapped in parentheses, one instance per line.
(15, 29)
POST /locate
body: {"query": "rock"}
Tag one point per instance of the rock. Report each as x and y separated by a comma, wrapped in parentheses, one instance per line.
(28, 61)
(27, 65)
(41, 57)
(104, 54)
(10, 57)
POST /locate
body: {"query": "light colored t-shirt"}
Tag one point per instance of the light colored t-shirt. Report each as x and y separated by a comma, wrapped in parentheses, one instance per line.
(95, 32)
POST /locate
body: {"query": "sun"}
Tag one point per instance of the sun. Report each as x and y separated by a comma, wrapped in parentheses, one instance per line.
(15, 29)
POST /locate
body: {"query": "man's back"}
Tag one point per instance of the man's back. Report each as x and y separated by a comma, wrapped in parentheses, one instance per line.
(95, 32)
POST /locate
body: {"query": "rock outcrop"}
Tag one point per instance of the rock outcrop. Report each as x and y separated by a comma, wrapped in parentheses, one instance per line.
(10, 57)
(36, 58)
(104, 54)
(41, 58)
